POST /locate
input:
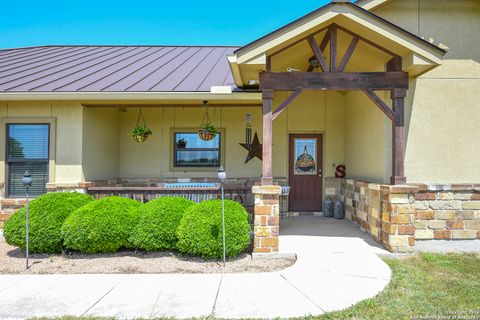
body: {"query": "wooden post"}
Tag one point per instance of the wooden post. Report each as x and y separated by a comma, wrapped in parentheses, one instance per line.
(398, 137)
(267, 177)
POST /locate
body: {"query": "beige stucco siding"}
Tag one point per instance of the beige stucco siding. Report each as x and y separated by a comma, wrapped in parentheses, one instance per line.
(67, 147)
(152, 159)
(367, 151)
(444, 126)
(100, 143)
(455, 24)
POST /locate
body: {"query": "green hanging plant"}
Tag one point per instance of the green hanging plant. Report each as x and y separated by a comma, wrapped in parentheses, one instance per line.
(207, 131)
(141, 132)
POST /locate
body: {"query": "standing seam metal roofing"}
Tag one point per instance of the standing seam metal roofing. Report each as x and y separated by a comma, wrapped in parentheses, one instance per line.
(115, 69)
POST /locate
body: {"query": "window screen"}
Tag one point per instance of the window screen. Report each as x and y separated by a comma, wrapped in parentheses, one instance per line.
(27, 149)
(191, 151)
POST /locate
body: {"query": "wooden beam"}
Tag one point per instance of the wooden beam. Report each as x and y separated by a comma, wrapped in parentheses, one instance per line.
(318, 53)
(297, 42)
(326, 39)
(379, 103)
(323, 45)
(268, 64)
(395, 64)
(285, 103)
(333, 81)
(398, 138)
(333, 48)
(267, 177)
(373, 44)
(348, 54)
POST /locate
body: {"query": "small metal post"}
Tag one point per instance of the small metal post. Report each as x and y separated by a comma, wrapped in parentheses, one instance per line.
(221, 177)
(26, 231)
(223, 226)
(27, 183)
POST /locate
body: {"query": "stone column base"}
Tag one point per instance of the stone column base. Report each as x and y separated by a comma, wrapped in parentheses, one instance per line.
(267, 218)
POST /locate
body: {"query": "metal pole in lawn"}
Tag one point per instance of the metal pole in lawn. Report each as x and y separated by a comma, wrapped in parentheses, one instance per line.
(222, 176)
(27, 183)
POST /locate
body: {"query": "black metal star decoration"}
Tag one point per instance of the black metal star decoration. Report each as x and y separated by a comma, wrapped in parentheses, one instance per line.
(254, 149)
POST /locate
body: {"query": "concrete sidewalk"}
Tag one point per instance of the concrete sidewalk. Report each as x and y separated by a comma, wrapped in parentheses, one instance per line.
(332, 273)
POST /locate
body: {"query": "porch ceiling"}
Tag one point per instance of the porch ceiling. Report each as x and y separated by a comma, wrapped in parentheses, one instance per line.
(418, 55)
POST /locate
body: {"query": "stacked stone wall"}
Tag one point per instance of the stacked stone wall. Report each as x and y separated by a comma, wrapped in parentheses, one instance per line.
(447, 212)
(386, 213)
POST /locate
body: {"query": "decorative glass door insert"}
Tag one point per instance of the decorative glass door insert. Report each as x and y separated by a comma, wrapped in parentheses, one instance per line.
(305, 156)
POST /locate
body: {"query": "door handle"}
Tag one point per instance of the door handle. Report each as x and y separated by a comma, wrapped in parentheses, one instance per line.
(319, 172)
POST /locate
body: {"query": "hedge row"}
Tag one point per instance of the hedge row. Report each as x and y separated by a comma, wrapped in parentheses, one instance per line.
(77, 222)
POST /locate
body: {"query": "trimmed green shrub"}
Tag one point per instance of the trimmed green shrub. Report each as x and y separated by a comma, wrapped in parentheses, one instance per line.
(158, 223)
(101, 226)
(46, 216)
(200, 230)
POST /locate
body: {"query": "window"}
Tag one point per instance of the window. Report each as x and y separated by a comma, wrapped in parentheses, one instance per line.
(27, 149)
(191, 151)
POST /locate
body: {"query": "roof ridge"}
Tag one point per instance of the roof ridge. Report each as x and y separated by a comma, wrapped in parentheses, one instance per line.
(121, 45)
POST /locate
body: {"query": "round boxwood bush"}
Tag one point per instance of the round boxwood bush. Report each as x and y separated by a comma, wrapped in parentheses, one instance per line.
(101, 226)
(46, 216)
(158, 223)
(200, 230)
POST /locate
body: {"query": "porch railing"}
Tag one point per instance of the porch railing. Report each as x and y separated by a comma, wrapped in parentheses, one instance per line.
(194, 192)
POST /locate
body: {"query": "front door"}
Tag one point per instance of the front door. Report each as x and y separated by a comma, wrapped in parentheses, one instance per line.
(305, 172)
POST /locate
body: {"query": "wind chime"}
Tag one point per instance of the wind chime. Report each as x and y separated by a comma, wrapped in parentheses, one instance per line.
(254, 147)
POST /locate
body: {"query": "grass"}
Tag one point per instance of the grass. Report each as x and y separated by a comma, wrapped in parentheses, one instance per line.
(422, 285)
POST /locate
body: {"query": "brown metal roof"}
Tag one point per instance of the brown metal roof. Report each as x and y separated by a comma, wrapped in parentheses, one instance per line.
(114, 69)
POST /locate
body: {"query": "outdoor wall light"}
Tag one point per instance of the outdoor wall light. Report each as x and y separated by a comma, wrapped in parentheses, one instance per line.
(222, 175)
(314, 63)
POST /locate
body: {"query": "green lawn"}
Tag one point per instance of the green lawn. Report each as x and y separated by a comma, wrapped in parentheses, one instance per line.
(427, 284)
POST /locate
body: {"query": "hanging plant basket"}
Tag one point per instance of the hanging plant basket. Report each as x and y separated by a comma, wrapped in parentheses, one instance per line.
(141, 132)
(207, 131)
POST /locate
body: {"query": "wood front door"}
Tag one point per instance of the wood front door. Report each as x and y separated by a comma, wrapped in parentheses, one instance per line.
(305, 172)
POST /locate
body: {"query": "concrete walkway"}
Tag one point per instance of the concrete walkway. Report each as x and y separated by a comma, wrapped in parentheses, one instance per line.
(332, 273)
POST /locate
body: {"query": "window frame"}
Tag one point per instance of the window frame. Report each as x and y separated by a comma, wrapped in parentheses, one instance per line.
(173, 151)
(9, 160)
(176, 149)
(5, 173)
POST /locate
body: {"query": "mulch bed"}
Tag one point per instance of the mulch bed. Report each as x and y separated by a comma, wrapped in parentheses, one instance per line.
(12, 261)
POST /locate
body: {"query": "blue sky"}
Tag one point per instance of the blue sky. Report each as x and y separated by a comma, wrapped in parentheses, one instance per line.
(202, 22)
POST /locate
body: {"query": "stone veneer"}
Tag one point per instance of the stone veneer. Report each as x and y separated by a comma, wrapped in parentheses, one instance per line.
(266, 220)
(387, 213)
(447, 212)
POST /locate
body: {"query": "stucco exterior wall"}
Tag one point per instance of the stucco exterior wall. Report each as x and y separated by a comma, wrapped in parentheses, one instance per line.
(67, 154)
(454, 24)
(367, 139)
(443, 129)
(441, 114)
(100, 143)
(307, 114)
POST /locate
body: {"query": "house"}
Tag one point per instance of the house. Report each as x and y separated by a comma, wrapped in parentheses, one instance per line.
(387, 91)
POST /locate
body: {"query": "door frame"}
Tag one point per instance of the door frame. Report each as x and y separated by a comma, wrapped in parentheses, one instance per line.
(307, 134)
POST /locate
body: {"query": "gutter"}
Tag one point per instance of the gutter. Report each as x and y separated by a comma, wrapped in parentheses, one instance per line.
(235, 96)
